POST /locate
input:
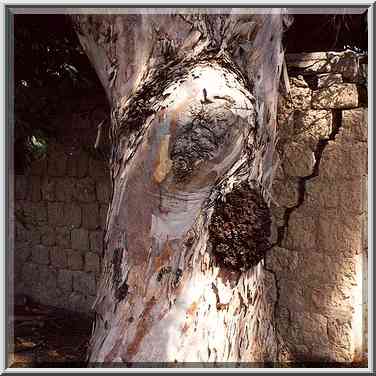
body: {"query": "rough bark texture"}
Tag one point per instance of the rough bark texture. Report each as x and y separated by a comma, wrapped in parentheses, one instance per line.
(194, 101)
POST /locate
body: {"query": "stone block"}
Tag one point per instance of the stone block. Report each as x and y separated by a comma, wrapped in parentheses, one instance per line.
(92, 262)
(48, 236)
(22, 253)
(299, 81)
(350, 192)
(48, 277)
(40, 255)
(65, 280)
(80, 239)
(327, 299)
(35, 213)
(328, 79)
(358, 161)
(63, 237)
(345, 63)
(339, 231)
(342, 162)
(72, 215)
(313, 124)
(90, 216)
(64, 189)
(103, 188)
(291, 293)
(298, 159)
(75, 260)
(306, 237)
(337, 96)
(96, 242)
(301, 97)
(339, 332)
(58, 257)
(31, 234)
(48, 189)
(31, 273)
(51, 297)
(313, 327)
(319, 194)
(84, 283)
(21, 234)
(316, 269)
(85, 190)
(354, 125)
(56, 213)
(36, 188)
(284, 189)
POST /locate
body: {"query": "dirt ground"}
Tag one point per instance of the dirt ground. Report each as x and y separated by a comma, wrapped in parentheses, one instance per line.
(49, 337)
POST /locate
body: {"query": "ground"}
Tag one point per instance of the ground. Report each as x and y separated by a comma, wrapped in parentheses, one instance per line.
(49, 337)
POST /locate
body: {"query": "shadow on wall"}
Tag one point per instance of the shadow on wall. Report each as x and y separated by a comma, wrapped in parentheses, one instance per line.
(324, 32)
(60, 212)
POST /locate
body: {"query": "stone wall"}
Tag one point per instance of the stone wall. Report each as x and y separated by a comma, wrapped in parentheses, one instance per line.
(320, 210)
(61, 208)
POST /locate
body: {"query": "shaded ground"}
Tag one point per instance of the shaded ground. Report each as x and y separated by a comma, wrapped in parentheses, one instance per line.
(49, 337)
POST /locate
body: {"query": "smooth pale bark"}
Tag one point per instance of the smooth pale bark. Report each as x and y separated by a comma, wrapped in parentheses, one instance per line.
(193, 100)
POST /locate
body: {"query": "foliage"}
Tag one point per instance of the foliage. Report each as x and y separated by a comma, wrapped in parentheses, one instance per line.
(49, 66)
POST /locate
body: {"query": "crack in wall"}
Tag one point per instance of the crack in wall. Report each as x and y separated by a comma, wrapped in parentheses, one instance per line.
(320, 147)
(282, 230)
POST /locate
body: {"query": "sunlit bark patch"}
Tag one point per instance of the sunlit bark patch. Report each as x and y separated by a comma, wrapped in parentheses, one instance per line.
(240, 229)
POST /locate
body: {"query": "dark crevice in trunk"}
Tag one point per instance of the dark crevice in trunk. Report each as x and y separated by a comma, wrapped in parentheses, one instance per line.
(275, 308)
(120, 287)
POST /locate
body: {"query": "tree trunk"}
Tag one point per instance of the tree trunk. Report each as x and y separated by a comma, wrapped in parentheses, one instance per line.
(193, 134)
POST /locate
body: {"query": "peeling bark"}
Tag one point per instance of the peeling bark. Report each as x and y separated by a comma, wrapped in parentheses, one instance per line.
(194, 101)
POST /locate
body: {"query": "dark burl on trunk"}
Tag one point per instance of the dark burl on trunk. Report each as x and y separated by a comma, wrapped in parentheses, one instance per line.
(240, 228)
